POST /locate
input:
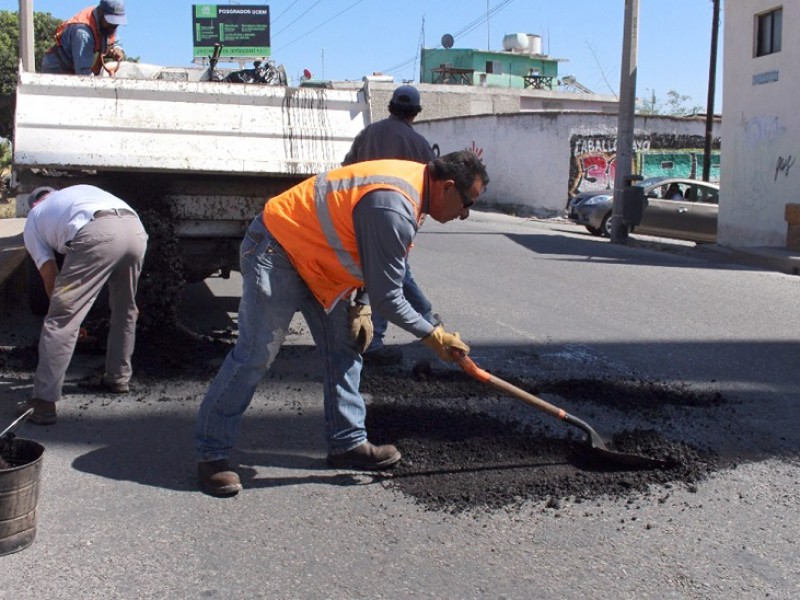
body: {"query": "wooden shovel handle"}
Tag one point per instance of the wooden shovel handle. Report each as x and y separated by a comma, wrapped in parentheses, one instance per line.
(110, 70)
(474, 371)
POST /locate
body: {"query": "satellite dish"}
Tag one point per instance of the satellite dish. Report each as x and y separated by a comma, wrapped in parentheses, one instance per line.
(447, 40)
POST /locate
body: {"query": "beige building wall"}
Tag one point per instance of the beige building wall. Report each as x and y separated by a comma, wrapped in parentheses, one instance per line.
(760, 127)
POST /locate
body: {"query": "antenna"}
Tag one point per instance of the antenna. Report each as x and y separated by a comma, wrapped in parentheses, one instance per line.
(447, 40)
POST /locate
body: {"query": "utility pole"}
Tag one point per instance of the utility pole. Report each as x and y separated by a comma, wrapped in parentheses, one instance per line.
(712, 80)
(627, 105)
(488, 37)
(26, 52)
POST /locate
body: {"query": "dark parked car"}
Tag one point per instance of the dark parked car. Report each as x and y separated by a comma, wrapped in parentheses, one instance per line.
(684, 209)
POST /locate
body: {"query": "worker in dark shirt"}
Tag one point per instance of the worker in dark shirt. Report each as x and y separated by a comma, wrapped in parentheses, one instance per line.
(394, 138)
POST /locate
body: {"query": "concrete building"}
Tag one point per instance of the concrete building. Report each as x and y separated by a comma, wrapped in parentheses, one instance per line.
(519, 65)
(761, 123)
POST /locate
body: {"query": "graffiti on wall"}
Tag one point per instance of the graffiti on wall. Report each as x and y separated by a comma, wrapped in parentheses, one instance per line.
(593, 159)
(784, 165)
(473, 147)
(763, 129)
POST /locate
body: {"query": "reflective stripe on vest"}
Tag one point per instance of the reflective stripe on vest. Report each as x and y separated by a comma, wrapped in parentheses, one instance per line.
(313, 221)
(323, 187)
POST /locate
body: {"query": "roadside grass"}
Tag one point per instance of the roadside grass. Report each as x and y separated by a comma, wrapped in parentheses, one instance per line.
(7, 209)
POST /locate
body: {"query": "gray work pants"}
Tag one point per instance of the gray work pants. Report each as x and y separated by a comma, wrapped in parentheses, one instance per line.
(107, 249)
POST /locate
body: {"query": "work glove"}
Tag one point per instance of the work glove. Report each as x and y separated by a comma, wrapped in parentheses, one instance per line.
(443, 343)
(115, 53)
(361, 326)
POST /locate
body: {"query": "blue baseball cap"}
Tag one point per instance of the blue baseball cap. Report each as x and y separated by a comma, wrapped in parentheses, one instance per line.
(406, 96)
(113, 11)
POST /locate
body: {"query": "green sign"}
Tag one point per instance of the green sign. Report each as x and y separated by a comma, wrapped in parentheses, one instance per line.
(242, 30)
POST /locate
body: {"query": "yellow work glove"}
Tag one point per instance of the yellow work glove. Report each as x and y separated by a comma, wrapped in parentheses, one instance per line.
(442, 343)
(361, 326)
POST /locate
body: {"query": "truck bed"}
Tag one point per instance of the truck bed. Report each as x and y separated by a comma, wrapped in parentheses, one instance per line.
(90, 123)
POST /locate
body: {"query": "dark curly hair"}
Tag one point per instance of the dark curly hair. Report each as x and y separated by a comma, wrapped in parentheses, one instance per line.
(462, 166)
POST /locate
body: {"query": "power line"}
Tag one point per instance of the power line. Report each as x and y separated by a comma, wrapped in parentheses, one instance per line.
(298, 18)
(484, 18)
(297, 39)
(464, 30)
(285, 10)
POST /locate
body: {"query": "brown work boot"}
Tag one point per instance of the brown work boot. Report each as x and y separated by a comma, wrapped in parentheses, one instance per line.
(44, 412)
(115, 387)
(366, 457)
(217, 478)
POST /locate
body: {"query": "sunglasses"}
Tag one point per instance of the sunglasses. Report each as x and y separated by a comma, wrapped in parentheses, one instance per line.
(466, 201)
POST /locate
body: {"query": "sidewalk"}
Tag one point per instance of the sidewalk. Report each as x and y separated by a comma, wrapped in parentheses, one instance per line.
(770, 258)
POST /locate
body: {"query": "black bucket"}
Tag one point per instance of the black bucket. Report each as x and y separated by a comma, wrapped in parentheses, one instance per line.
(20, 472)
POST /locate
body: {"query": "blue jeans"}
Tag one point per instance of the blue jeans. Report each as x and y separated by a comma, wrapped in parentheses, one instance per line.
(416, 298)
(272, 291)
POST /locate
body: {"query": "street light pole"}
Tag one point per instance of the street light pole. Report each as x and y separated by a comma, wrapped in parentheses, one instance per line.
(627, 105)
(712, 79)
(26, 54)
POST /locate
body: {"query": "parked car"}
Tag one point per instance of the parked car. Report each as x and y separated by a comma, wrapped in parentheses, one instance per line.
(684, 209)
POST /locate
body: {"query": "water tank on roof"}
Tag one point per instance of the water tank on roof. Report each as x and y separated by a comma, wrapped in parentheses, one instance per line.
(517, 42)
(522, 43)
(534, 43)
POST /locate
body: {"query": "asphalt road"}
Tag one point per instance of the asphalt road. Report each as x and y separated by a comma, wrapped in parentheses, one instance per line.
(120, 517)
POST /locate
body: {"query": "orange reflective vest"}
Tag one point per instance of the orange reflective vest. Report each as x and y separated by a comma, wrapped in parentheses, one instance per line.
(313, 221)
(86, 17)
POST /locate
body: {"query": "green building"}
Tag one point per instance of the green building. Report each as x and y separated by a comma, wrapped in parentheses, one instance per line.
(520, 65)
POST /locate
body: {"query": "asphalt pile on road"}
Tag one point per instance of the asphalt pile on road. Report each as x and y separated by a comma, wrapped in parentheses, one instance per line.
(457, 460)
(457, 457)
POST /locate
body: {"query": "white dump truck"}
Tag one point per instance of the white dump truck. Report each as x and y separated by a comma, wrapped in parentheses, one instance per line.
(203, 154)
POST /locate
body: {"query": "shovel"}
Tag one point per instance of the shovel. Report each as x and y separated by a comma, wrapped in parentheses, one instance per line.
(9, 431)
(593, 439)
(7, 434)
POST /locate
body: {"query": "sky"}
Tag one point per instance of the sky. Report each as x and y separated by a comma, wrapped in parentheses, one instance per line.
(347, 39)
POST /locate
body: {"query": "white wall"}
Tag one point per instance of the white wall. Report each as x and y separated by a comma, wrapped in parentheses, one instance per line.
(526, 163)
(760, 128)
(527, 155)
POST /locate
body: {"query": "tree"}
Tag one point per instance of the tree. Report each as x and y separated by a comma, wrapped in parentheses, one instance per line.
(44, 28)
(676, 105)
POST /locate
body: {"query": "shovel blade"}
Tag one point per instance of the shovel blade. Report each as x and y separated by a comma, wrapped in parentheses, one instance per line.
(624, 459)
(630, 461)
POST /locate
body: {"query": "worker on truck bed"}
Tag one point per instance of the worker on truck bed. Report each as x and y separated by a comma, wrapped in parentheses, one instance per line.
(83, 41)
(103, 242)
(311, 248)
(394, 137)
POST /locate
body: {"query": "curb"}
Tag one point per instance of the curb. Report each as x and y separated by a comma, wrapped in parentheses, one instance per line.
(13, 279)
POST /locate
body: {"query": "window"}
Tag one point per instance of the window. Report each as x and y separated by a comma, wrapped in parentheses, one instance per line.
(494, 66)
(768, 32)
